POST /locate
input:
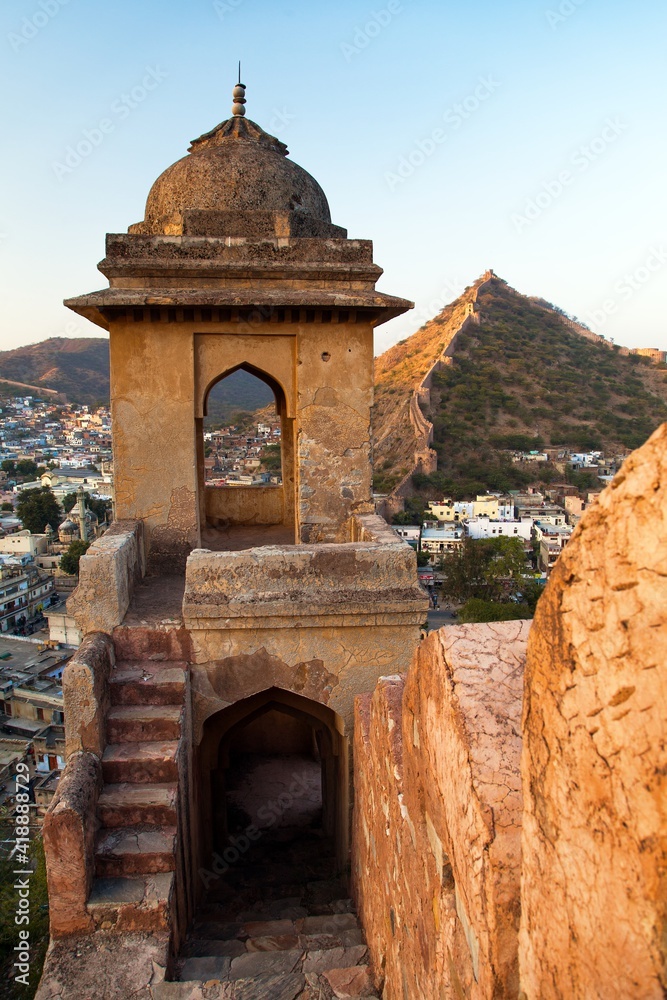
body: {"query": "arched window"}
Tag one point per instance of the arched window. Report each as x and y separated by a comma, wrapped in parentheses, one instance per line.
(245, 462)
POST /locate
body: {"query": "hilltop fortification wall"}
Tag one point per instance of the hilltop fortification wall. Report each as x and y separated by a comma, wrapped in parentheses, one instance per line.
(425, 456)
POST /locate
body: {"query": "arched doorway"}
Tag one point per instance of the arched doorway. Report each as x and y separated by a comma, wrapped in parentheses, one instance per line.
(245, 462)
(273, 787)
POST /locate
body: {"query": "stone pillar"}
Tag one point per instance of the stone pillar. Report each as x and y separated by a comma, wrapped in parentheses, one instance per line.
(335, 394)
(594, 766)
(155, 466)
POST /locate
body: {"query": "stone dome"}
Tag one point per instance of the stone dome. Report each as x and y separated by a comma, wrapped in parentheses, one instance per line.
(237, 167)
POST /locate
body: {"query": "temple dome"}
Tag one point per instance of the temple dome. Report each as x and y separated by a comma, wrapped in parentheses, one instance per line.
(237, 167)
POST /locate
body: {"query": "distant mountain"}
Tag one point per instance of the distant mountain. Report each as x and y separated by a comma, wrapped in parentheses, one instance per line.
(496, 371)
(78, 368)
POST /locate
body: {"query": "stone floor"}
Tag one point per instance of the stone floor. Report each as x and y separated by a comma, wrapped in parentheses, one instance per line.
(278, 926)
(238, 537)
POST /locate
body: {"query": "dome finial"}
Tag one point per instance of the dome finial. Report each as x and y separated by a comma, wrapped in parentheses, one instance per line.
(238, 109)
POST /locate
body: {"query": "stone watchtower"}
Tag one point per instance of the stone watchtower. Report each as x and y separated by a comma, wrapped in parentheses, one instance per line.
(215, 618)
(238, 265)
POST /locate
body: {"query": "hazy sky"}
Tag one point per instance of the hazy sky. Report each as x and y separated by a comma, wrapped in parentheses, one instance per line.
(524, 135)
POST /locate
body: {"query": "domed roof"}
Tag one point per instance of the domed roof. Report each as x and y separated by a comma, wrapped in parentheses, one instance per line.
(237, 167)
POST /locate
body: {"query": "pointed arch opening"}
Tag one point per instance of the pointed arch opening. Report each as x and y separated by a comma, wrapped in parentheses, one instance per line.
(273, 788)
(245, 461)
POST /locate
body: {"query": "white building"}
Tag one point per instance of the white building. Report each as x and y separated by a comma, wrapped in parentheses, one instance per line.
(484, 527)
(445, 538)
(409, 532)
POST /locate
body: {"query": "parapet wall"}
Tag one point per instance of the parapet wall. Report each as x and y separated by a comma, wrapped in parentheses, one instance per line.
(330, 583)
(594, 881)
(108, 574)
(437, 819)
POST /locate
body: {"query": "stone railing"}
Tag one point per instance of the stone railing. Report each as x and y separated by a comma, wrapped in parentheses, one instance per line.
(318, 584)
(70, 824)
(437, 817)
(108, 574)
(69, 832)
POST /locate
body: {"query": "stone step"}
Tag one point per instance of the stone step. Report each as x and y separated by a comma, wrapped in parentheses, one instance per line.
(135, 851)
(140, 763)
(137, 642)
(134, 904)
(147, 683)
(266, 987)
(143, 723)
(128, 804)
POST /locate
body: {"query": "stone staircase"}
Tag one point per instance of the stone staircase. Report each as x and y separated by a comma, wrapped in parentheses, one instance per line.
(276, 926)
(135, 852)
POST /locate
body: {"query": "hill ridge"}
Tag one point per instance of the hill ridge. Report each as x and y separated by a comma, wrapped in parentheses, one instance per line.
(543, 386)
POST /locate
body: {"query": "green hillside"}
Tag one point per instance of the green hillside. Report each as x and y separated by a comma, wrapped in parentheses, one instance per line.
(525, 379)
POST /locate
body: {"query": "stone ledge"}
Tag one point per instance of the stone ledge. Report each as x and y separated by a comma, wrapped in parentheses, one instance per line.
(85, 695)
(108, 574)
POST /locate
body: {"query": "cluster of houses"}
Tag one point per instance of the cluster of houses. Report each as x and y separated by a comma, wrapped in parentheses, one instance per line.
(71, 445)
(32, 728)
(603, 466)
(235, 457)
(543, 522)
(72, 437)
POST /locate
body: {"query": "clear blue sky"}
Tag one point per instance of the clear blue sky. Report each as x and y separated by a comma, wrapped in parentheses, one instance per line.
(524, 135)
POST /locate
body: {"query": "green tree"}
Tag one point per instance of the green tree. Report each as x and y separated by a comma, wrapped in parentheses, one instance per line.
(270, 458)
(478, 610)
(488, 569)
(7, 505)
(37, 508)
(8, 466)
(423, 559)
(69, 561)
(26, 467)
(531, 591)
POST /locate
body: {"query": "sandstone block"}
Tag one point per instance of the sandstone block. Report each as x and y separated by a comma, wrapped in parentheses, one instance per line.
(86, 696)
(595, 756)
(69, 844)
(437, 818)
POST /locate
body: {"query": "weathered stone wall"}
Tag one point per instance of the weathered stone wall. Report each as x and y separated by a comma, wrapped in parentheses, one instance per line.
(154, 446)
(69, 832)
(238, 505)
(86, 695)
(335, 394)
(436, 838)
(594, 881)
(108, 574)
